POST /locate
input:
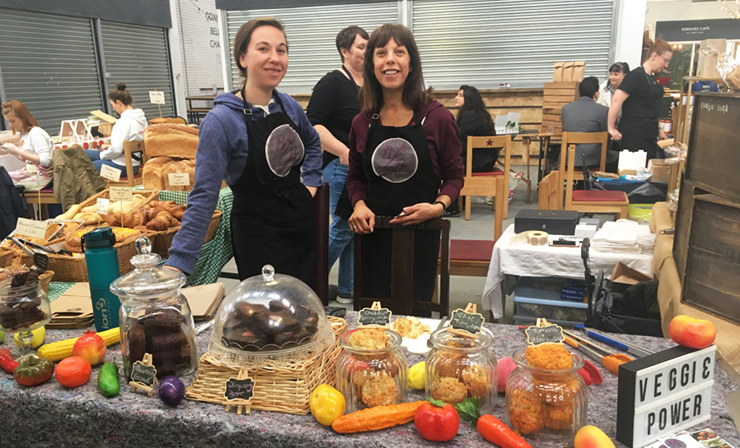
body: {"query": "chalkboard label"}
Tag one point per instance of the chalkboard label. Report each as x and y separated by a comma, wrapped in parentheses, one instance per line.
(369, 316)
(239, 389)
(144, 374)
(543, 335)
(464, 321)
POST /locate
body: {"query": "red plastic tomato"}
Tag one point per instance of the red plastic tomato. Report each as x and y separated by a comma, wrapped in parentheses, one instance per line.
(437, 423)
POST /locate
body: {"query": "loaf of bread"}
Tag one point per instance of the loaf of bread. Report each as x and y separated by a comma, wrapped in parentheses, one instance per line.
(151, 176)
(181, 166)
(171, 140)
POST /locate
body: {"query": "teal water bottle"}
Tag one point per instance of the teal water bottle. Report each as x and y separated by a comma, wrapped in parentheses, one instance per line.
(101, 259)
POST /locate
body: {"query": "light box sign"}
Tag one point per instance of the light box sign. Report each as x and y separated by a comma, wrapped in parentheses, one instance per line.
(664, 393)
(697, 30)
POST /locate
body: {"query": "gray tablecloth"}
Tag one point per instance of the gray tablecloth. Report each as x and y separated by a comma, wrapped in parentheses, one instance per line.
(50, 415)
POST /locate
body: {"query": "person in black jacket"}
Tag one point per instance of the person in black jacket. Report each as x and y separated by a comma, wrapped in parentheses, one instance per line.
(473, 119)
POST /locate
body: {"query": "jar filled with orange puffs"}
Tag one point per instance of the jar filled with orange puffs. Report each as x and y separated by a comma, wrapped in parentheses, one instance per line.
(545, 393)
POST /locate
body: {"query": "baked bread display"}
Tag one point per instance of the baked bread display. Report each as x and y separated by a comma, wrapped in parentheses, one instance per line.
(151, 176)
(180, 166)
(171, 140)
(156, 173)
(73, 241)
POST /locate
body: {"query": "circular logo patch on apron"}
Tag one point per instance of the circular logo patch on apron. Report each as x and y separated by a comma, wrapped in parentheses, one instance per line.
(284, 150)
(395, 160)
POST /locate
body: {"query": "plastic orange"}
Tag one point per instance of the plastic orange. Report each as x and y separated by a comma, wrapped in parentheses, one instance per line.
(73, 371)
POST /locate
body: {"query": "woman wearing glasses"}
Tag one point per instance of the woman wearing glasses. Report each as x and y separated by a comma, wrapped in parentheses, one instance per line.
(639, 96)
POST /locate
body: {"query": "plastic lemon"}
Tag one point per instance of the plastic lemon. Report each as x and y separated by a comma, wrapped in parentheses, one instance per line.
(39, 336)
(417, 376)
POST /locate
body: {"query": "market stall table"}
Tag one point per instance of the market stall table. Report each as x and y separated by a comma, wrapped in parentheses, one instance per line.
(522, 259)
(49, 414)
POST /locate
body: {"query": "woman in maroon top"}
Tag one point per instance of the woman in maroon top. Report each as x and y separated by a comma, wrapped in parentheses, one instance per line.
(404, 160)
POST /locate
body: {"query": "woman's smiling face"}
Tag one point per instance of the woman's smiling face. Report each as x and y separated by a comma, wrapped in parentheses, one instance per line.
(392, 65)
(266, 58)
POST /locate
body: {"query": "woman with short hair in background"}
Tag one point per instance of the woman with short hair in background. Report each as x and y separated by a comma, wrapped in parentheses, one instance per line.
(35, 149)
(617, 72)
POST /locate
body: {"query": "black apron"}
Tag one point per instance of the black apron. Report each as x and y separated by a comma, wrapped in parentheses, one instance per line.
(398, 166)
(273, 219)
(642, 133)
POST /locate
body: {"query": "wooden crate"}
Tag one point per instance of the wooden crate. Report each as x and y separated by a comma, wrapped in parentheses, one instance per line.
(712, 280)
(688, 192)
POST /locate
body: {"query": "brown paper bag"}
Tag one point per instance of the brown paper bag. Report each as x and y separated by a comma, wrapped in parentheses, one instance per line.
(557, 74)
(568, 71)
(579, 70)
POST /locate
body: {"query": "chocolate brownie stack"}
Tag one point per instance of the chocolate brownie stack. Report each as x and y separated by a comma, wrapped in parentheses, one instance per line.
(284, 324)
(159, 332)
(19, 306)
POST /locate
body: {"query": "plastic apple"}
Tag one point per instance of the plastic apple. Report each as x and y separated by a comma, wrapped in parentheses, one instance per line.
(690, 332)
(91, 347)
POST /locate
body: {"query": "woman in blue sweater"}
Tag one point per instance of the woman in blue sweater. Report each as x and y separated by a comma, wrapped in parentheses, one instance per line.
(261, 143)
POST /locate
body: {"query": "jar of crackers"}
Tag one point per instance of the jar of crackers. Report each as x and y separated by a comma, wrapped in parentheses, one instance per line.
(371, 370)
(459, 367)
(545, 395)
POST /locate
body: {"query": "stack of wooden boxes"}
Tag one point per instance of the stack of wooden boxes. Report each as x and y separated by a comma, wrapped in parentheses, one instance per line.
(563, 89)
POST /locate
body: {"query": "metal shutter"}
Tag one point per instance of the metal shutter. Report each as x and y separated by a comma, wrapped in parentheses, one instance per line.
(138, 56)
(48, 62)
(485, 42)
(311, 33)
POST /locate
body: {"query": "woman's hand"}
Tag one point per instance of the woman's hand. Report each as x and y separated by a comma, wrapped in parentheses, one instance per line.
(11, 149)
(662, 135)
(172, 268)
(418, 213)
(362, 220)
(312, 190)
(616, 135)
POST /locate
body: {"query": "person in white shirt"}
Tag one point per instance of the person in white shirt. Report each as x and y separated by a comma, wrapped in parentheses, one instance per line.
(129, 128)
(617, 72)
(35, 149)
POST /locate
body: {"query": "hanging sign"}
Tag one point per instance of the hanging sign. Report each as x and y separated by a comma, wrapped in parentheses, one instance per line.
(664, 393)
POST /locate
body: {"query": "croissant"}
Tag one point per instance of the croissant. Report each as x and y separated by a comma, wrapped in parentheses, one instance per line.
(160, 222)
(111, 220)
(133, 219)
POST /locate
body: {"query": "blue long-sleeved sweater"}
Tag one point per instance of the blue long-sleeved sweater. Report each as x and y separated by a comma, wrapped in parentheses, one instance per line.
(222, 154)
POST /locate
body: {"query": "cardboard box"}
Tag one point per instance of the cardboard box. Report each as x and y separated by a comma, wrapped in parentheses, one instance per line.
(628, 276)
(661, 170)
(557, 74)
(568, 71)
(579, 70)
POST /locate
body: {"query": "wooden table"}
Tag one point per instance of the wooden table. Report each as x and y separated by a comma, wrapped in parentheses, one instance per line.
(545, 139)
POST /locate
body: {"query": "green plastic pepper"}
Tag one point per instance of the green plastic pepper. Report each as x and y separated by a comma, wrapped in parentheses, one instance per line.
(108, 380)
(35, 371)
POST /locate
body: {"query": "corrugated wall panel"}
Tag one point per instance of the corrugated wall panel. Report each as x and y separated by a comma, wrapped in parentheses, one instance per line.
(311, 33)
(48, 62)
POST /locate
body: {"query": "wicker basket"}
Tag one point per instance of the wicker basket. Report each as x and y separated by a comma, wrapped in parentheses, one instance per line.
(161, 241)
(6, 257)
(279, 387)
(45, 279)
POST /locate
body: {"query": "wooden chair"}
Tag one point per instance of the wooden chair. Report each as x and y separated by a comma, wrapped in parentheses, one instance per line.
(551, 192)
(484, 184)
(570, 138)
(593, 201)
(130, 179)
(402, 269)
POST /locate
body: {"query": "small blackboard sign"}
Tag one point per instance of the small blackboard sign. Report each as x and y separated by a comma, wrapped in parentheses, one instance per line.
(543, 335)
(143, 374)
(467, 322)
(237, 389)
(374, 316)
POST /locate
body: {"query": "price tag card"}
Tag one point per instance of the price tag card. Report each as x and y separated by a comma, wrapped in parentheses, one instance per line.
(156, 97)
(31, 228)
(544, 335)
(101, 208)
(110, 173)
(120, 194)
(143, 374)
(375, 316)
(179, 179)
(237, 389)
(464, 321)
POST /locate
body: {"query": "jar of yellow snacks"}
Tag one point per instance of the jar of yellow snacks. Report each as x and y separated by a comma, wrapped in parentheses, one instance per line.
(458, 367)
(545, 394)
(371, 370)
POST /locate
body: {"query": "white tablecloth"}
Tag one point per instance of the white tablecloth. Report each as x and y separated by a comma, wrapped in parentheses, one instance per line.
(522, 259)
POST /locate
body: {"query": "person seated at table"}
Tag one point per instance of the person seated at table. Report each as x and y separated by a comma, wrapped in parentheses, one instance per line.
(617, 72)
(35, 148)
(260, 141)
(404, 158)
(129, 128)
(584, 115)
(473, 119)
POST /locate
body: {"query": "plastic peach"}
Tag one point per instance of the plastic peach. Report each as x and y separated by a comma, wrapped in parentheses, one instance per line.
(504, 367)
(592, 437)
(690, 332)
(91, 347)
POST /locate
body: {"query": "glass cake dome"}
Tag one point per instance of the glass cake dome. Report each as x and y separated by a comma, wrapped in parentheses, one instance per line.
(270, 317)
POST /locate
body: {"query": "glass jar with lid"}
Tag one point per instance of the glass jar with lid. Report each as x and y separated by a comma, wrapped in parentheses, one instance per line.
(459, 367)
(372, 371)
(155, 318)
(24, 307)
(543, 403)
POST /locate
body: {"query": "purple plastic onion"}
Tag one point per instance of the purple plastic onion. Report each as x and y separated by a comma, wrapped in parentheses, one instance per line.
(171, 390)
